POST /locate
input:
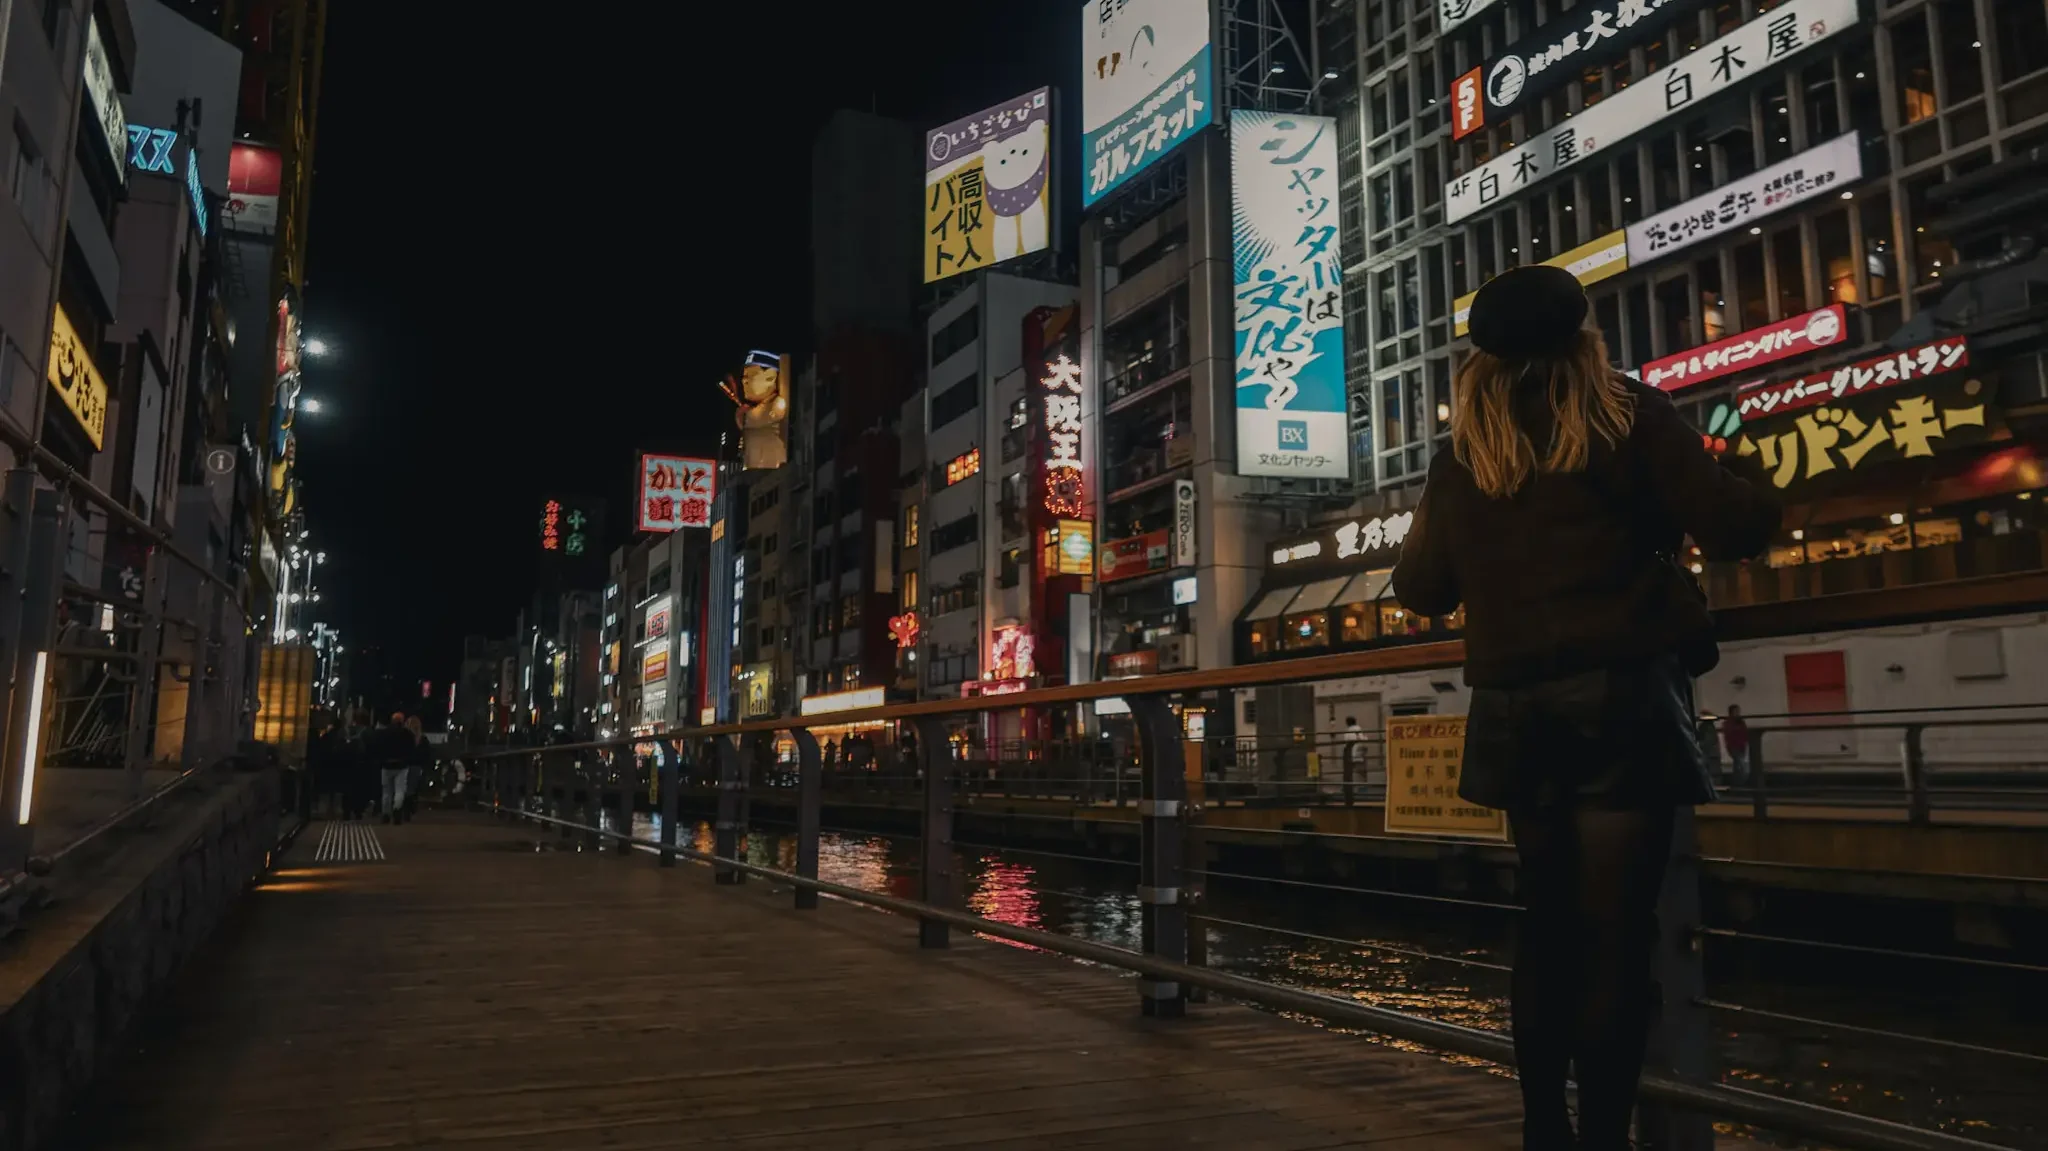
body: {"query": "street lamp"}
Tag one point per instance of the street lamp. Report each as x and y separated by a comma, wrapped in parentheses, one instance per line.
(311, 406)
(316, 347)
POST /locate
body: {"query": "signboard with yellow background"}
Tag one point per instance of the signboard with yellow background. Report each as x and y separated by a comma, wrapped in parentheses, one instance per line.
(77, 379)
(1425, 755)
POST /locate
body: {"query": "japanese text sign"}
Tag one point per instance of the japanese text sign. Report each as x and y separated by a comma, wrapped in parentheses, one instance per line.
(1832, 440)
(676, 492)
(1673, 90)
(1065, 488)
(1377, 540)
(564, 530)
(987, 187)
(1790, 337)
(1554, 55)
(1589, 263)
(1759, 400)
(103, 99)
(1816, 172)
(1132, 556)
(1425, 755)
(1292, 416)
(77, 379)
(1451, 13)
(1146, 85)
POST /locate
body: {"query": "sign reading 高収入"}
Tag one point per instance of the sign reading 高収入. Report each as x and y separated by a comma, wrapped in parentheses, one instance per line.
(1425, 754)
(1673, 90)
(1146, 85)
(1287, 259)
(987, 187)
(676, 492)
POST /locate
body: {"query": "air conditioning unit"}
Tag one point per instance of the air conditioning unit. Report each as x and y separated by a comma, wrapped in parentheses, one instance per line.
(1177, 653)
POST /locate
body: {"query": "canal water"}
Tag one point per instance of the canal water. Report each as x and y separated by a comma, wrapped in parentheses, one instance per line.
(1447, 960)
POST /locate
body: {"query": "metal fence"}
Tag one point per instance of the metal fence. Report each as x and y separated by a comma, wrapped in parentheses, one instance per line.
(1158, 789)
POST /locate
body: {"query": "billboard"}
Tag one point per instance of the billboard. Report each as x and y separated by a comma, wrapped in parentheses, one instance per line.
(1793, 336)
(987, 187)
(1146, 85)
(1589, 263)
(77, 379)
(1850, 380)
(1677, 89)
(762, 395)
(1816, 172)
(1552, 56)
(104, 100)
(1453, 13)
(1287, 258)
(255, 180)
(675, 492)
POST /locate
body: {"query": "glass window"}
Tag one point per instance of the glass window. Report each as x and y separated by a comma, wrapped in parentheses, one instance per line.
(1391, 424)
(1823, 110)
(1540, 247)
(1631, 173)
(1706, 276)
(1913, 65)
(1399, 93)
(1789, 257)
(2022, 39)
(1377, 101)
(1837, 258)
(1664, 169)
(1638, 326)
(1675, 307)
(1411, 295)
(1880, 256)
(1931, 252)
(1777, 126)
(1750, 296)
(1404, 192)
(1440, 395)
(1382, 203)
(1600, 201)
(1383, 295)
(1607, 312)
(1962, 51)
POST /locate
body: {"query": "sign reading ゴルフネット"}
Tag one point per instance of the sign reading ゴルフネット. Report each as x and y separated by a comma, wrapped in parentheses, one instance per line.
(1287, 251)
(1673, 90)
(987, 187)
(1816, 172)
(1425, 754)
(1146, 85)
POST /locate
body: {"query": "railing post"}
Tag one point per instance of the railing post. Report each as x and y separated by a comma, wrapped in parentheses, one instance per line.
(1680, 1037)
(732, 782)
(589, 803)
(935, 877)
(810, 773)
(667, 781)
(1759, 775)
(1918, 811)
(1161, 833)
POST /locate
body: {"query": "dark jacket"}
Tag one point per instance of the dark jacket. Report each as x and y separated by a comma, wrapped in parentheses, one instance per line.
(391, 747)
(1565, 576)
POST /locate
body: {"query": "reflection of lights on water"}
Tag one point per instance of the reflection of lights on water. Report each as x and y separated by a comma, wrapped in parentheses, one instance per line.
(1005, 894)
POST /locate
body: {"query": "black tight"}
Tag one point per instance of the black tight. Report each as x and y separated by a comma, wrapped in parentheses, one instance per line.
(1582, 980)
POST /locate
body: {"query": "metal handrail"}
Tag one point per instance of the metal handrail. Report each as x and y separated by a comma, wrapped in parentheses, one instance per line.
(1789, 1116)
(41, 865)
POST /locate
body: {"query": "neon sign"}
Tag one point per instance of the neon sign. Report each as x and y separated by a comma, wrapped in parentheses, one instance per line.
(149, 149)
(551, 526)
(194, 189)
(1063, 483)
(1010, 653)
(962, 466)
(904, 627)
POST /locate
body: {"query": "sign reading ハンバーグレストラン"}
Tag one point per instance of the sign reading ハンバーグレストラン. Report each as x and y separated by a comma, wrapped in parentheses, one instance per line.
(1816, 172)
(1146, 84)
(987, 187)
(1673, 90)
(1760, 400)
(1425, 754)
(1554, 55)
(1288, 272)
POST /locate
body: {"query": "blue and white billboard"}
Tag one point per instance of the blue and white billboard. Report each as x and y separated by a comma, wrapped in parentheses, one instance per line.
(1289, 297)
(1146, 84)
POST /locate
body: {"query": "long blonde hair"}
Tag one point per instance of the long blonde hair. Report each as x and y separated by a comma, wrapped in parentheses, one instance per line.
(1586, 398)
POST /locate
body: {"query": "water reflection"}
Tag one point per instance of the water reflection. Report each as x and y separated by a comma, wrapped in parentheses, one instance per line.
(1448, 963)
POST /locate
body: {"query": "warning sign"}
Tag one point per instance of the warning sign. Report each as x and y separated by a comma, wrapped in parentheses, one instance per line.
(1424, 755)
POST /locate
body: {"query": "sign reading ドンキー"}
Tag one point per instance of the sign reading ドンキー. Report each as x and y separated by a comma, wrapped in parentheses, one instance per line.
(1676, 89)
(1146, 85)
(1286, 251)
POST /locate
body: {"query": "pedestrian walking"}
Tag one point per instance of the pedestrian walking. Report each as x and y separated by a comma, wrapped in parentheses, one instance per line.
(419, 761)
(1735, 740)
(327, 765)
(391, 747)
(1557, 517)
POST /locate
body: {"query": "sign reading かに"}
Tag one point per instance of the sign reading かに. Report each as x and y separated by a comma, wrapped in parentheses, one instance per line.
(1425, 754)
(676, 492)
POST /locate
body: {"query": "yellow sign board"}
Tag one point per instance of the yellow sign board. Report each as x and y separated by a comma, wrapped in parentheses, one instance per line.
(77, 379)
(1424, 756)
(1591, 263)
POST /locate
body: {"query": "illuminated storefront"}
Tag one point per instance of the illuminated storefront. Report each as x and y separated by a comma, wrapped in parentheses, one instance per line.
(1333, 591)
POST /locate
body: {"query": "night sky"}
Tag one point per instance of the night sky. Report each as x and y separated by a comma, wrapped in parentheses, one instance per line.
(508, 216)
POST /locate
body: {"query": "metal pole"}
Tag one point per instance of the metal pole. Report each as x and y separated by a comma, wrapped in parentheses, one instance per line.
(1759, 790)
(935, 879)
(30, 671)
(17, 514)
(809, 801)
(667, 781)
(732, 782)
(206, 671)
(1918, 809)
(142, 693)
(1163, 925)
(1680, 1038)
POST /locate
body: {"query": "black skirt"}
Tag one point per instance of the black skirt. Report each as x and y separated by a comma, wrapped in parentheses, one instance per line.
(1622, 738)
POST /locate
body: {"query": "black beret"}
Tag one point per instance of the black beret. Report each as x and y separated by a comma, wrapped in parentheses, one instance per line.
(1528, 313)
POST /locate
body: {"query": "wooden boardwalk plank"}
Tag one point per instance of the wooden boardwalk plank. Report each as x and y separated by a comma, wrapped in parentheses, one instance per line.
(472, 992)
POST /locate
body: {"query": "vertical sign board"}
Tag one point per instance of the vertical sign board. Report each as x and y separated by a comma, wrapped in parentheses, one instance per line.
(1147, 83)
(1183, 543)
(1288, 266)
(1677, 89)
(987, 187)
(675, 492)
(105, 99)
(1424, 756)
(76, 379)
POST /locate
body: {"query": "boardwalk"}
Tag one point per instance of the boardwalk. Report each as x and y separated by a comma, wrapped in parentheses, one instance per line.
(470, 991)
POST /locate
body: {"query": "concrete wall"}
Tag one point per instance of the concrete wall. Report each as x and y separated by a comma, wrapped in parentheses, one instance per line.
(71, 987)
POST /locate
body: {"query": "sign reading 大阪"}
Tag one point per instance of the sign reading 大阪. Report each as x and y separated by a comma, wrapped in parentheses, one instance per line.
(1553, 56)
(1146, 85)
(1673, 90)
(986, 187)
(1424, 756)
(1816, 172)
(1823, 446)
(1759, 400)
(1794, 336)
(676, 492)
(1292, 417)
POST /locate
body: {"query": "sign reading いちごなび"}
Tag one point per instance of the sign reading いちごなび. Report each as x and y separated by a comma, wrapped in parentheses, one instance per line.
(1425, 754)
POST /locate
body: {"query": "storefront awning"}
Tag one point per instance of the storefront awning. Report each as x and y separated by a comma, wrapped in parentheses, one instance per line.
(1365, 587)
(1270, 604)
(1292, 599)
(1318, 595)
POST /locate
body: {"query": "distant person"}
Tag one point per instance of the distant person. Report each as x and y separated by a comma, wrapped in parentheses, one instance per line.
(392, 749)
(1353, 747)
(1735, 740)
(359, 770)
(327, 766)
(1556, 517)
(419, 762)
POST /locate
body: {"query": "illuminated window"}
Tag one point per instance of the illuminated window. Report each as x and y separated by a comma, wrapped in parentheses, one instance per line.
(962, 466)
(910, 526)
(909, 590)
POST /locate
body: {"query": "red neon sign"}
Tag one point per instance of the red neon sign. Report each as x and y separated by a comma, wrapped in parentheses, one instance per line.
(1789, 337)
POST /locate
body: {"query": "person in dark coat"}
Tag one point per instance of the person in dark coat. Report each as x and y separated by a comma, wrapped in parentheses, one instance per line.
(1558, 517)
(327, 765)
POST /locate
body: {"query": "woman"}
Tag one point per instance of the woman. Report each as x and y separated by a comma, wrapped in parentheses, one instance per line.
(1557, 519)
(418, 762)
